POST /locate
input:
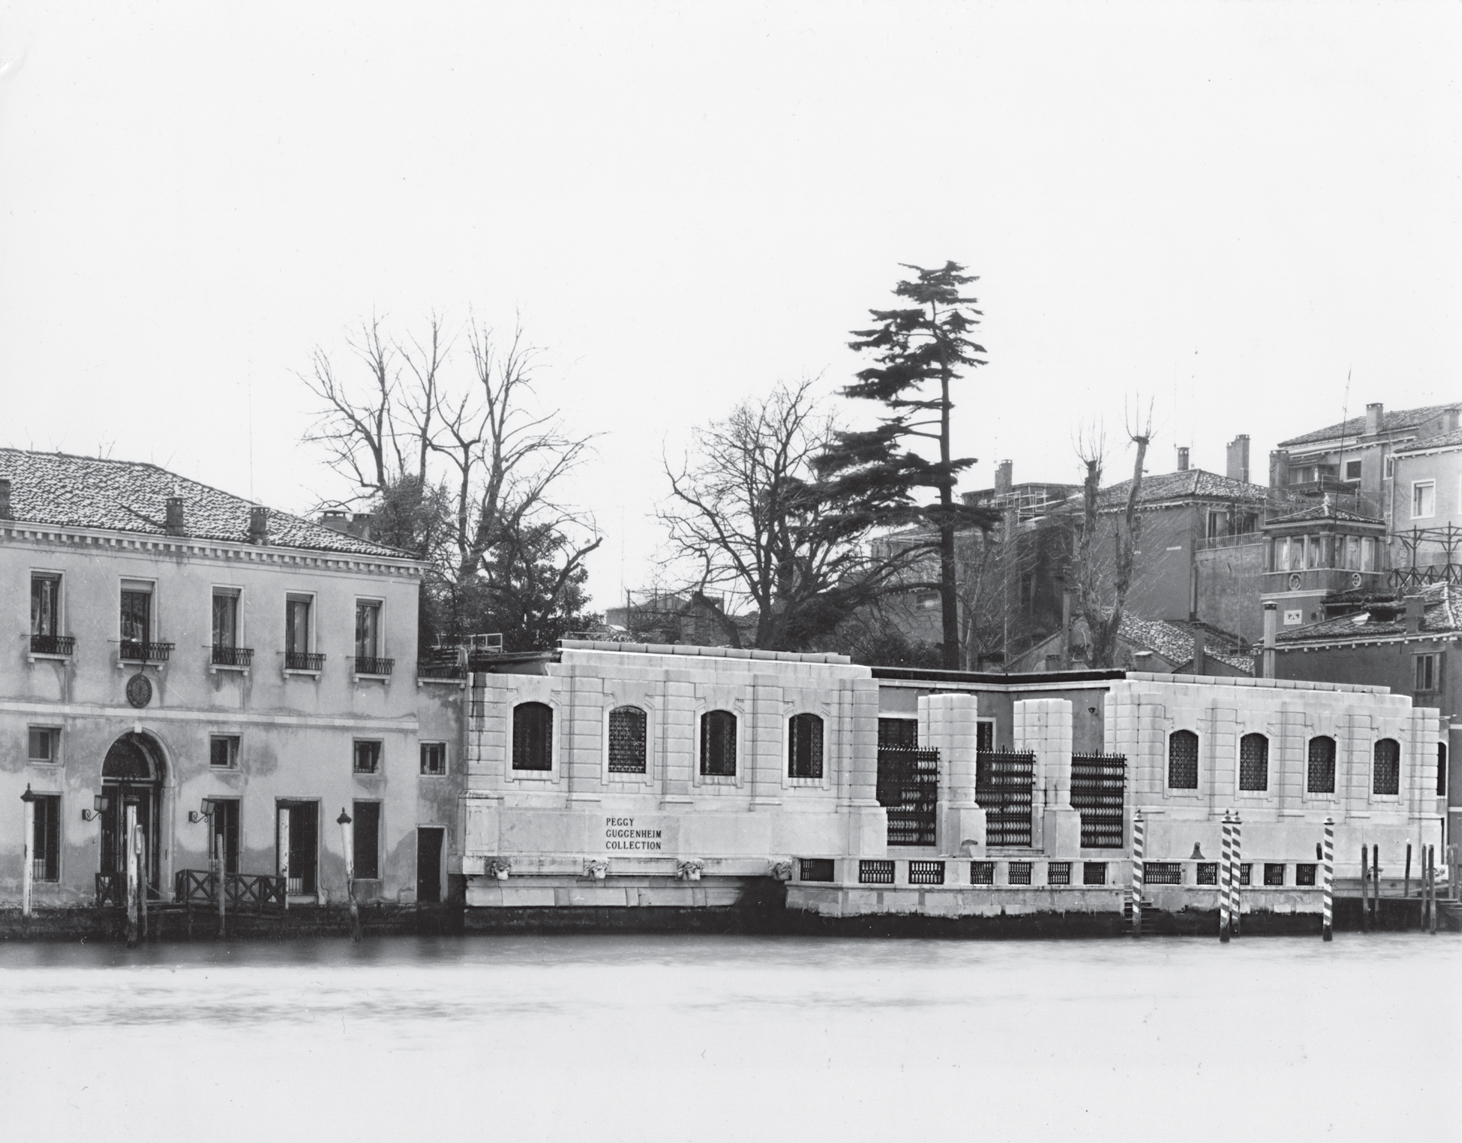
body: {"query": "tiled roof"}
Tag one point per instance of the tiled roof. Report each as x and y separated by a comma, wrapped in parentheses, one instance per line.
(128, 496)
(1174, 642)
(1441, 440)
(1442, 614)
(1391, 421)
(1190, 484)
(1325, 511)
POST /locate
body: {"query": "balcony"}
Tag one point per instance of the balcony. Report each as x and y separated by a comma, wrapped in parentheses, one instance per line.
(304, 661)
(136, 651)
(232, 656)
(52, 644)
(426, 670)
(372, 665)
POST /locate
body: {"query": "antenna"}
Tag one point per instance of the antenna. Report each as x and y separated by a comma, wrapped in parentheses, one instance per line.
(249, 401)
(1344, 416)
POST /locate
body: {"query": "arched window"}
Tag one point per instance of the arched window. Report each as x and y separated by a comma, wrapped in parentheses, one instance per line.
(718, 743)
(1441, 769)
(804, 754)
(626, 740)
(1182, 760)
(1321, 776)
(1253, 762)
(532, 736)
(1386, 773)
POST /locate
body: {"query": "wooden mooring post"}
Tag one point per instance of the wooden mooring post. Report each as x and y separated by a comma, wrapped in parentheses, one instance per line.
(1138, 846)
(1376, 884)
(1327, 872)
(1224, 872)
(1406, 880)
(1432, 886)
(1365, 890)
(131, 841)
(1236, 906)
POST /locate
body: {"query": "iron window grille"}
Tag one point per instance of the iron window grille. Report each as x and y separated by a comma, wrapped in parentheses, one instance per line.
(434, 759)
(1208, 873)
(804, 733)
(926, 873)
(367, 756)
(44, 744)
(1273, 873)
(628, 740)
(1246, 874)
(718, 744)
(1304, 873)
(1098, 792)
(46, 838)
(816, 869)
(1162, 873)
(1020, 873)
(1254, 762)
(1005, 789)
(1058, 873)
(1386, 774)
(232, 656)
(372, 665)
(52, 644)
(898, 732)
(875, 873)
(135, 651)
(908, 789)
(303, 661)
(982, 873)
(1093, 872)
(1320, 778)
(532, 736)
(223, 751)
(1182, 760)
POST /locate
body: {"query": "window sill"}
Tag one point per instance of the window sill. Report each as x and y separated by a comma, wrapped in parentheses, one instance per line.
(426, 775)
(459, 684)
(32, 656)
(805, 783)
(366, 774)
(717, 780)
(301, 673)
(214, 668)
(355, 678)
(141, 664)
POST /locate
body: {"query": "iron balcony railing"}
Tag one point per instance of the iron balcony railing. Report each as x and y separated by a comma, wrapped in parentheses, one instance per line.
(372, 665)
(137, 651)
(303, 661)
(425, 670)
(232, 656)
(52, 644)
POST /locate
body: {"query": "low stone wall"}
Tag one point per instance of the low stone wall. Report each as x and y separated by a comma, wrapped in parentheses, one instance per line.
(93, 924)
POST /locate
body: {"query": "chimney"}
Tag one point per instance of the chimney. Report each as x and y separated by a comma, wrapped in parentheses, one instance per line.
(5, 513)
(1238, 458)
(1200, 663)
(173, 521)
(1003, 477)
(1182, 458)
(335, 520)
(1279, 468)
(1452, 419)
(361, 525)
(1415, 610)
(258, 524)
(1271, 630)
(1373, 419)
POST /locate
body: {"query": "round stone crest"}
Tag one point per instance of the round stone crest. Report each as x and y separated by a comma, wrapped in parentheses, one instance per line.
(139, 690)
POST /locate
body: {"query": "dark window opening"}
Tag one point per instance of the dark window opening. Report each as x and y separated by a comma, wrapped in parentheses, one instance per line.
(1093, 872)
(45, 744)
(225, 825)
(1254, 762)
(1273, 873)
(367, 757)
(816, 869)
(1320, 778)
(875, 872)
(429, 864)
(805, 735)
(137, 616)
(366, 830)
(1020, 873)
(1386, 774)
(926, 873)
(1441, 769)
(718, 744)
(1208, 873)
(434, 758)
(1304, 873)
(1246, 873)
(628, 740)
(1058, 873)
(1428, 673)
(982, 873)
(46, 838)
(225, 619)
(45, 605)
(223, 751)
(903, 732)
(1162, 873)
(532, 736)
(1182, 760)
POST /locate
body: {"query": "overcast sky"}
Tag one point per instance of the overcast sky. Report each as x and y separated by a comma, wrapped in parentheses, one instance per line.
(1225, 207)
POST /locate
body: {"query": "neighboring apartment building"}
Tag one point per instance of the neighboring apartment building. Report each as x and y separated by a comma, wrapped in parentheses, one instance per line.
(1425, 508)
(1157, 646)
(171, 643)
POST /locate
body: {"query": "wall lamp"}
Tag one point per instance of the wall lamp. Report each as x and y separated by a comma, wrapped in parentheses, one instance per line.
(27, 796)
(205, 813)
(98, 807)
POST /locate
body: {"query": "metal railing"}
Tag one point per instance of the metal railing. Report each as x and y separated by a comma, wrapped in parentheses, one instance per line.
(908, 789)
(303, 661)
(372, 665)
(1005, 790)
(52, 644)
(137, 651)
(1098, 791)
(926, 873)
(875, 872)
(111, 889)
(232, 656)
(428, 670)
(1162, 873)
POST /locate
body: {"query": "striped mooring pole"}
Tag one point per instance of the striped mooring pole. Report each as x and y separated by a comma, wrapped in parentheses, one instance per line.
(1327, 898)
(1236, 880)
(1137, 851)
(1224, 870)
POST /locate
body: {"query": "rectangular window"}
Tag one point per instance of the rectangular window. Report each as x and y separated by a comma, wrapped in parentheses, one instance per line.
(45, 604)
(1304, 873)
(1020, 873)
(367, 629)
(1246, 873)
(223, 751)
(366, 830)
(226, 832)
(1273, 873)
(225, 618)
(1058, 873)
(46, 838)
(1390, 467)
(926, 872)
(875, 873)
(1423, 499)
(1428, 674)
(45, 744)
(982, 873)
(367, 756)
(434, 759)
(1352, 470)
(136, 613)
(297, 624)
(898, 732)
(1162, 873)
(1208, 873)
(628, 740)
(816, 869)
(1093, 872)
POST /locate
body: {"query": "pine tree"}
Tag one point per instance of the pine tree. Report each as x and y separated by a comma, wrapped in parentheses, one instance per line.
(875, 476)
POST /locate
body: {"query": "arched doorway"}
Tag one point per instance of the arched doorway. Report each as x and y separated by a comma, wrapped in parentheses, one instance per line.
(133, 772)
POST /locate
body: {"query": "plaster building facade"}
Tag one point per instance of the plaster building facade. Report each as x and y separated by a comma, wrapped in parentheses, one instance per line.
(174, 648)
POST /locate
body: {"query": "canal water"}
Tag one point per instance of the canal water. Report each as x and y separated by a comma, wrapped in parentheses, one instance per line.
(735, 1038)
